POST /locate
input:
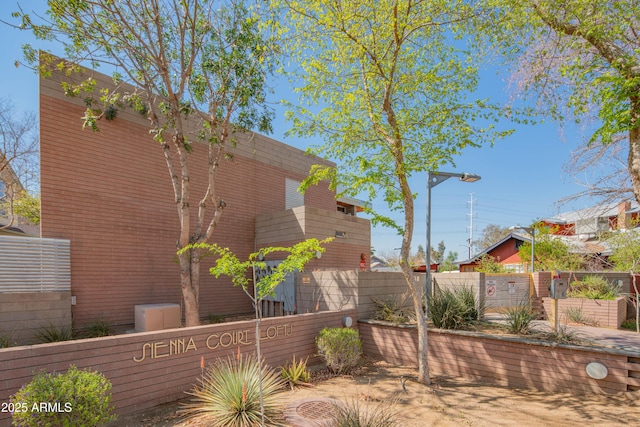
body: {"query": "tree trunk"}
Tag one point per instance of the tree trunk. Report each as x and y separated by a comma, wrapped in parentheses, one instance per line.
(190, 291)
(414, 287)
(634, 147)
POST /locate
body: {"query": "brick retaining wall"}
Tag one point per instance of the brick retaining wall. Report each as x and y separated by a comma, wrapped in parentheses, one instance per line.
(142, 379)
(505, 361)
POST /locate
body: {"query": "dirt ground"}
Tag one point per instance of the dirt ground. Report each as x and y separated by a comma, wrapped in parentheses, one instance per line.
(447, 402)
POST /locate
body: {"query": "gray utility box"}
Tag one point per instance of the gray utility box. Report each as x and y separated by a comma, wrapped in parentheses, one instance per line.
(155, 317)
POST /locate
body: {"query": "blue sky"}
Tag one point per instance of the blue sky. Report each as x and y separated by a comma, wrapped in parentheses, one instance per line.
(522, 176)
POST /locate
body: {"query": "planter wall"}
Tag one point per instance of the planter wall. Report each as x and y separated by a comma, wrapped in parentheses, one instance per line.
(151, 368)
(513, 362)
(603, 313)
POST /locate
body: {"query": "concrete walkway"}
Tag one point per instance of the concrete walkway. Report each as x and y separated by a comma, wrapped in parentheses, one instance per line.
(619, 339)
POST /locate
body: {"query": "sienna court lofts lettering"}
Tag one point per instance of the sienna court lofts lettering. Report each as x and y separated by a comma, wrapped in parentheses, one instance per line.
(178, 346)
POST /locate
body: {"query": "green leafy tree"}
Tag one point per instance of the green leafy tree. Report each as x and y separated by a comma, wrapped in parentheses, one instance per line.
(185, 64)
(387, 89)
(551, 253)
(489, 264)
(625, 247)
(579, 58)
(437, 256)
(18, 166)
(27, 206)
(449, 264)
(228, 264)
(420, 253)
(491, 235)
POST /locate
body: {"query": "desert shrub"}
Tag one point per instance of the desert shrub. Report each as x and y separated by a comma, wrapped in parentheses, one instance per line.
(340, 348)
(215, 318)
(519, 318)
(53, 333)
(295, 373)
(95, 329)
(228, 393)
(393, 309)
(7, 338)
(354, 414)
(453, 309)
(77, 398)
(577, 315)
(593, 287)
(629, 324)
(564, 336)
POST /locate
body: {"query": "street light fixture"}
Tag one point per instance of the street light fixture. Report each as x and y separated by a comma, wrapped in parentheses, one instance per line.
(531, 231)
(434, 179)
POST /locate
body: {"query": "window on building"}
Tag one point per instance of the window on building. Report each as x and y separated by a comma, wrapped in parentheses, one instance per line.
(293, 198)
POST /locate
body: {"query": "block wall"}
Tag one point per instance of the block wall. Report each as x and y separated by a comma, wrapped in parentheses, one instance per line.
(337, 290)
(23, 314)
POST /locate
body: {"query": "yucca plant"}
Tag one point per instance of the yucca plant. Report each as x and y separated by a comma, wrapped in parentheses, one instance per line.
(229, 393)
(296, 373)
(352, 414)
(6, 339)
(453, 309)
(95, 329)
(393, 309)
(53, 333)
(519, 318)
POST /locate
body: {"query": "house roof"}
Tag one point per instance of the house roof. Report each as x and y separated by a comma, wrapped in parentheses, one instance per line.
(513, 235)
(19, 229)
(599, 211)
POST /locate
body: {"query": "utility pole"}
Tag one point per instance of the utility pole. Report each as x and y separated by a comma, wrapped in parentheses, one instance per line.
(470, 227)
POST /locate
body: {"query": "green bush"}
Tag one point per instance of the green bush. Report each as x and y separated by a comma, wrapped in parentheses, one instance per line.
(296, 373)
(77, 398)
(519, 318)
(340, 348)
(453, 309)
(593, 287)
(229, 393)
(629, 324)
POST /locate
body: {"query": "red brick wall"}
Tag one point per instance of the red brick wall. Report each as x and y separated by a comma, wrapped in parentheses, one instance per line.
(506, 362)
(110, 194)
(153, 381)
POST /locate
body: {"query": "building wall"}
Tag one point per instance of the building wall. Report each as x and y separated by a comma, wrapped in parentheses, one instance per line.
(151, 368)
(109, 192)
(285, 228)
(24, 314)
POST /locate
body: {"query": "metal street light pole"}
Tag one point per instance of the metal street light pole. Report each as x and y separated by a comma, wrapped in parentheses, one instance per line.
(434, 179)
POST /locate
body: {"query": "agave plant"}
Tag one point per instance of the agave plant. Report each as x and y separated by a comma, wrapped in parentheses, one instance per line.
(228, 394)
(296, 373)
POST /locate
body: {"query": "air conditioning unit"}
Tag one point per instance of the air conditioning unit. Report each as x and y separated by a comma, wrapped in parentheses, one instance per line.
(155, 317)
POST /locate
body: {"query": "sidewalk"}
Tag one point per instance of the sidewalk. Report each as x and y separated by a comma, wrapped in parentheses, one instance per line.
(619, 339)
